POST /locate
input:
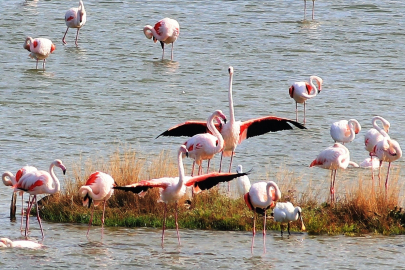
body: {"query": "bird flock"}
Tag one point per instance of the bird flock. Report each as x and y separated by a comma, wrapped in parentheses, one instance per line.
(218, 134)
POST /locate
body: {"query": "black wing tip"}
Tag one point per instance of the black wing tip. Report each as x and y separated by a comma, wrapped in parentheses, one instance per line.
(297, 124)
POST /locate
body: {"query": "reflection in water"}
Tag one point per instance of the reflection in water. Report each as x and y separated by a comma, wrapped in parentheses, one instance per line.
(166, 65)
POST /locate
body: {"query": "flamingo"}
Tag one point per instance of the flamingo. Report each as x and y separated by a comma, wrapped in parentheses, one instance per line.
(5, 242)
(344, 131)
(374, 135)
(39, 182)
(75, 18)
(285, 212)
(301, 92)
(204, 146)
(166, 31)
(172, 189)
(98, 188)
(243, 182)
(305, 8)
(333, 158)
(9, 179)
(262, 196)
(387, 150)
(40, 49)
(234, 132)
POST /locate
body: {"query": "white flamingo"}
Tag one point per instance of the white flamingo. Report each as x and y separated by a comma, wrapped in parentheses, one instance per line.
(302, 91)
(166, 31)
(40, 49)
(5, 242)
(75, 18)
(39, 182)
(243, 182)
(344, 131)
(285, 212)
(98, 188)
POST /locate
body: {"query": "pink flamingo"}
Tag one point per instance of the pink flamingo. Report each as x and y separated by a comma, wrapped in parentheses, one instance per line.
(10, 180)
(234, 132)
(305, 8)
(5, 242)
(98, 188)
(39, 182)
(373, 136)
(262, 196)
(40, 49)
(75, 18)
(172, 189)
(344, 131)
(333, 158)
(301, 92)
(166, 31)
(387, 150)
(204, 146)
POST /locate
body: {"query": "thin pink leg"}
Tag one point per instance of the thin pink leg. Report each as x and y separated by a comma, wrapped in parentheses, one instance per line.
(164, 225)
(22, 210)
(27, 220)
(386, 180)
(39, 218)
(296, 111)
(264, 233)
(102, 220)
(63, 39)
(77, 35)
(230, 166)
(91, 220)
(208, 166)
(254, 231)
(304, 113)
(177, 224)
(220, 162)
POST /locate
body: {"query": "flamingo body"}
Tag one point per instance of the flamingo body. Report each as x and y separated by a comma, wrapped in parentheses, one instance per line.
(75, 18)
(285, 213)
(344, 131)
(39, 48)
(166, 31)
(243, 182)
(5, 242)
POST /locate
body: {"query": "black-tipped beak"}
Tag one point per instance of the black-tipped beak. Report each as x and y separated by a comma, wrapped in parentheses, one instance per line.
(64, 171)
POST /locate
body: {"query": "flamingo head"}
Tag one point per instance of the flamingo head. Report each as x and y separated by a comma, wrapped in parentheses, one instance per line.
(291, 91)
(230, 70)
(53, 47)
(183, 150)
(27, 42)
(58, 163)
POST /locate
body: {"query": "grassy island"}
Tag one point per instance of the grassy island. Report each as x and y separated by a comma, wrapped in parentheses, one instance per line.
(360, 209)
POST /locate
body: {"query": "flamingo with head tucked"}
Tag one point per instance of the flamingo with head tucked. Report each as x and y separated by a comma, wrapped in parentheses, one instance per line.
(172, 189)
(344, 131)
(285, 212)
(75, 18)
(98, 188)
(39, 182)
(166, 31)
(5, 242)
(204, 146)
(234, 132)
(40, 49)
(302, 91)
(262, 196)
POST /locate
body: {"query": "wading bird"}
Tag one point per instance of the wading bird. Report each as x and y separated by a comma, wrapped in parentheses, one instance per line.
(5, 242)
(333, 158)
(204, 146)
(172, 189)
(301, 92)
(305, 8)
(75, 18)
(285, 212)
(39, 182)
(234, 132)
(98, 188)
(166, 31)
(242, 182)
(344, 131)
(262, 196)
(40, 49)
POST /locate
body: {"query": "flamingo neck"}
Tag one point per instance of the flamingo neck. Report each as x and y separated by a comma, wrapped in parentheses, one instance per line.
(215, 132)
(317, 89)
(181, 170)
(375, 125)
(394, 149)
(56, 182)
(274, 196)
(8, 179)
(149, 28)
(351, 125)
(231, 110)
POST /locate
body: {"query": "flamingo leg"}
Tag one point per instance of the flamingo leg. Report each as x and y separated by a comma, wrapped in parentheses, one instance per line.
(63, 39)
(254, 231)
(177, 223)
(102, 219)
(379, 174)
(36, 67)
(372, 169)
(304, 113)
(43, 64)
(230, 166)
(77, 35)
(208, 165)
(164, 225)
(288, 228)
(220, 162)
(91, 220)
(39, 218)
(163, 48)
(22, 211)
(264, 233)
(313, 8)
(27, 221)
(172, 52)
(333, 188)
(305, 8)
(296, 111)
(386, 180)
(192, 169)
(13, 206)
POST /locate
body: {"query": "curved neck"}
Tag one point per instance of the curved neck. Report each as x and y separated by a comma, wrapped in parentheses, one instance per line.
(215, 132)
(352, 127)
(274, 196)
(317, 89)
(394, 146)
(231, 110)
(375, 125)
(151, 29)
(56, 182)
(8, 179)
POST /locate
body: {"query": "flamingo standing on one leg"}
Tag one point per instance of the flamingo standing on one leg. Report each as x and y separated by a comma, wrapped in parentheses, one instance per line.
(243, 182)
(204, 146)
(234, 132)
(373, 136)
(40, 49)
(5, 242)
(75, 18)
(172, 189)
(333, 158)
(344, 131)
(166, 31)
(262, 196)
(10, 180)
(387, 150)
(39, 182)
(305, 8)
(285, 212)
(301, 92)
(98, 188)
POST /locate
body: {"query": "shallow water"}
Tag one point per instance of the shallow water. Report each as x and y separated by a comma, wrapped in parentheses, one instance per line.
(114, 89)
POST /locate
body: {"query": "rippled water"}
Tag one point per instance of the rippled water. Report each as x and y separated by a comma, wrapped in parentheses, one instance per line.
(114, 89)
